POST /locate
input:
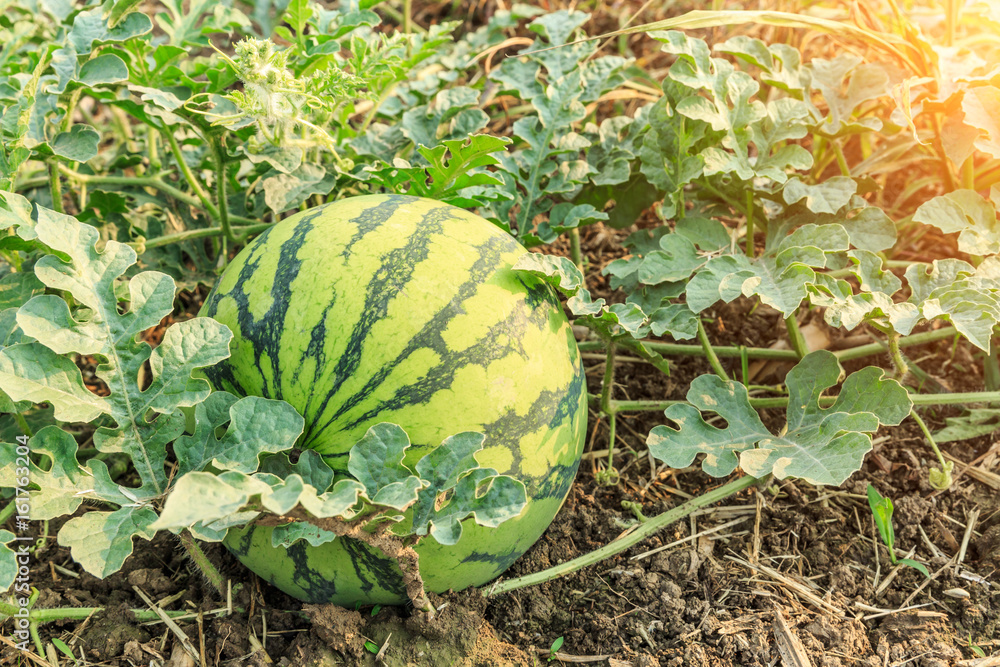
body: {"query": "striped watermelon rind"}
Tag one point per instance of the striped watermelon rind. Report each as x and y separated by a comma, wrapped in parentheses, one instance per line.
(389, 308)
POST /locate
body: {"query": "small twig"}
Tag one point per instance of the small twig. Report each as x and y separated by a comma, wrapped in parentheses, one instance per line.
(793, 653)
(169, 622)
(688, 539)
(927, 582)
(892, 575)
(969, 527)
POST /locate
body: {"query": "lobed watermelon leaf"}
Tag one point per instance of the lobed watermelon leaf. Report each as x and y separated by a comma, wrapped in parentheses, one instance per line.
(819, 445)
(141, 414)
(446, 486)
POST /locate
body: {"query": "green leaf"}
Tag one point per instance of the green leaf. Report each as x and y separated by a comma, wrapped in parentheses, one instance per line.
(882, 512)
(849, 310)
(968, 213)
(377, 462)
(918, 566)
(78, 144)
(63, 484)
(298, 14)
(971, 310)
(257, 426)
(822, 446)
(105, 68)
(675, 319)
(924, 279)
(489, 498)
(870, 229)
(452, 115)
(456, 164)
(35, 370)
(557, 27)
(676, 260)
(89, 27)
(101, 541)
(310, 467)
(32, 372)
(830, 196)
(846, 84)
(8, 560)
(17, 288)
(119, 10)
(979, 104)
(668, 156)
(285, 159)
(285, 191)
(976, 422)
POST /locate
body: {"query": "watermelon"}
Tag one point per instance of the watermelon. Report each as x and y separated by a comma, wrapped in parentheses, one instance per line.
(390, 308)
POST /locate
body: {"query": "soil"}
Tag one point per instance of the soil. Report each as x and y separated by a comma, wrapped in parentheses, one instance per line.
(805, 553)
(791, 555)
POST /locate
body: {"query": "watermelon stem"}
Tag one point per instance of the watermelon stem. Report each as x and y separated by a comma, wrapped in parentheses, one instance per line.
(202, 562)
(399, 549)
(609, 476)
(639, 533)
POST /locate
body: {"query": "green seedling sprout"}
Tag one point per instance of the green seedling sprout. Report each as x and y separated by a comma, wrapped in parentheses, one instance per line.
(882, 511)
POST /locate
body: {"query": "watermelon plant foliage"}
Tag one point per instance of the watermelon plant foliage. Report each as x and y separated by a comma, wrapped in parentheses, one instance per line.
(232, 463)
(210, 148)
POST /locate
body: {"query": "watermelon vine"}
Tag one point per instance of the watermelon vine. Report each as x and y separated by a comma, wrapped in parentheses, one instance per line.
(756, 175)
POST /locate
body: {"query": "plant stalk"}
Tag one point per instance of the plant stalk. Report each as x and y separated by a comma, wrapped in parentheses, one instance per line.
(574, 248)
(193, 234)
(23, 424)
(946, 467)
(713, 359)
(608, 408)
(154, 182)
(750, 224)
(958, 398)
(640, 532)
(55, 187)
(203, 563)
(220, 187)
(867, 350)
(902, 368)
(795, 336)
(195, 184)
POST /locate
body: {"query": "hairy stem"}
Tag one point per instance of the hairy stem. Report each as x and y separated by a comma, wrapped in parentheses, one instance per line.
(193, 182)
(750, 224)
(859, 352)
(154, 182)
(203, 563)
(713, 358)
(641, 532)
(946, 467)
(958, 398)
(193, 234)
(220, 187)
(838, 152)
(902, 368)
